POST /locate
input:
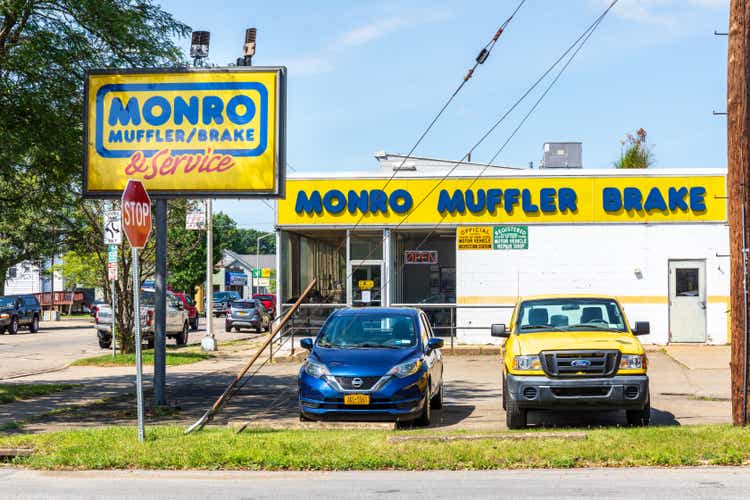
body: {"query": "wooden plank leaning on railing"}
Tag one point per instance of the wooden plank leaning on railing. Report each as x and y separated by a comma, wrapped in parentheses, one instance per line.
(229, 391)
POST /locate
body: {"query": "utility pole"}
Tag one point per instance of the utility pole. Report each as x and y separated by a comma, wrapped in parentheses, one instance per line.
(160, 305)
(738, 156)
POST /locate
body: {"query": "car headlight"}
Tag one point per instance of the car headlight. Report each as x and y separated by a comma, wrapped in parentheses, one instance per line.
(633, 362)
(527, 363)
(406, 369)
(4, 316)
(315, 369)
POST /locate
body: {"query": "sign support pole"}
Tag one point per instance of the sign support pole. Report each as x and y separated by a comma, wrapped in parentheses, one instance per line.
(137, 328)
(208, 343)
(160, 304)
(114, 316)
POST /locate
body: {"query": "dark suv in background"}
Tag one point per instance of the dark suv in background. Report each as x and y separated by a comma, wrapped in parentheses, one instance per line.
(19, 311)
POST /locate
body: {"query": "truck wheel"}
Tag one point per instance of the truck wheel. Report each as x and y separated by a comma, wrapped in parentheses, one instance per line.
(13, 327)
(505, 393)
(34, 325)
(259, 328)
(150, 343)
(182, 338)
(639, 418)
(423, 420)
(515, 417)
(105, 344)
(227, 328)
(194, 324)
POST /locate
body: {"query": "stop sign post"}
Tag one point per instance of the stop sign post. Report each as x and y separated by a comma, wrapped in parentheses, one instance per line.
(136, 224)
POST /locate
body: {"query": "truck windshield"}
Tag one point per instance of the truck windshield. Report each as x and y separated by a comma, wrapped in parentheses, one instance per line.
(569, 314)
(369, 330)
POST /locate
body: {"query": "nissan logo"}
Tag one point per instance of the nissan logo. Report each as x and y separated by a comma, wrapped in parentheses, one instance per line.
(357, 382)
(582, 363)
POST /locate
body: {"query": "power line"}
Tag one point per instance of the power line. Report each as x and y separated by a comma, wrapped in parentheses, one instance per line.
(480, 59)
(584, 35)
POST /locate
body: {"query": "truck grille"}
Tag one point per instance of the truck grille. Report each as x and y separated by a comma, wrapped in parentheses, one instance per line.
(366, 385)
(580, 363)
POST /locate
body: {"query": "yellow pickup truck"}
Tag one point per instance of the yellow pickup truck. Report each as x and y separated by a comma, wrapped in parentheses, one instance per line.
(573, 352)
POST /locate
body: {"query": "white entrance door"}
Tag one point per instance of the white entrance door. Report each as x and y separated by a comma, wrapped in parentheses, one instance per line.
(687, 300)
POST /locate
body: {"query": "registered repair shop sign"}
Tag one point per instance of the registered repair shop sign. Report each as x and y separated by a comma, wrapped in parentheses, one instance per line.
(510, 237)
(186, 133)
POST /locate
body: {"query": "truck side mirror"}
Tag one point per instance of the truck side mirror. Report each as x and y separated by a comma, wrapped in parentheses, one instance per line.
(642, 328)
(499, 330)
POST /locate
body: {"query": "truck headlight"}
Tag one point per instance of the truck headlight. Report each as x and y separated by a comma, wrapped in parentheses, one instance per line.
(406, 369)
(527, 363)
(633, 362)
(4, 316)
(315, 369)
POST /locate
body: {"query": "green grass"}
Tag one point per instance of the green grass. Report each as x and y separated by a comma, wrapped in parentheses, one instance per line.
(220, 448)
(13, 392)
(173, 359)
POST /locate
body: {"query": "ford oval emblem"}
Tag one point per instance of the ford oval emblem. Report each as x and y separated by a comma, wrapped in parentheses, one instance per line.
(357, 383)
(580, 363)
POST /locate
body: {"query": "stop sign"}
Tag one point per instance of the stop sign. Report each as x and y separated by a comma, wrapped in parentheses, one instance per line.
(136, 213)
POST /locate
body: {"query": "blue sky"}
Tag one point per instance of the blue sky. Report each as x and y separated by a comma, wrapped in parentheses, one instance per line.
(368, 76)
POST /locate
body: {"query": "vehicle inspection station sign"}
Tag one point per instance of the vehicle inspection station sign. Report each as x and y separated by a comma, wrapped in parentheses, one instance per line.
(202, 132)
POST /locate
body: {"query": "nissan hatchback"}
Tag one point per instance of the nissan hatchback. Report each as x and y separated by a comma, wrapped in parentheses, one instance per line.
(372, 364)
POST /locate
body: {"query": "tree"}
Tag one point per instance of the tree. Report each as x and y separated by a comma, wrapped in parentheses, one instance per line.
(635, 152)
(45, 49)
(83, 270)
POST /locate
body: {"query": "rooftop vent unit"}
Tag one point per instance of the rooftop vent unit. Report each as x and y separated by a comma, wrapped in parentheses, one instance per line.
(562, 155)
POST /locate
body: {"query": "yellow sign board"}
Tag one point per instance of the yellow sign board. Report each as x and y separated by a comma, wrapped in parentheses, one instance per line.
(366, 284)
(474, 238)
(533, 199)
(265, 272)
(187, 132)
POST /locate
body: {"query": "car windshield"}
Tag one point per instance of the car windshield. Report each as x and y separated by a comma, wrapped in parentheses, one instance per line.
(242, 304)
(6, 301)
(367, 330)
(565, 315)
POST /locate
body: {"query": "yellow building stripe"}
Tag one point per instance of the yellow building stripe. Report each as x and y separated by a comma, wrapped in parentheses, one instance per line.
(623, 299)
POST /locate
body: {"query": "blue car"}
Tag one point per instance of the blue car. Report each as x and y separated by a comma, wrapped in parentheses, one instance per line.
(375, 363)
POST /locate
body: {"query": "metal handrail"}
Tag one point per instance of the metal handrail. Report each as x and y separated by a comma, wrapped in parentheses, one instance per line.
(292, 328)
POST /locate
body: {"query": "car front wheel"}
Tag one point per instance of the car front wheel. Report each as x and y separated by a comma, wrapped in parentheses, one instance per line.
(437, 400)
(34, 325)
(13, 327)
(424, 419)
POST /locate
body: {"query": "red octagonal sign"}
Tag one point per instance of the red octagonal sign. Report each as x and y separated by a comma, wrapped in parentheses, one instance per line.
(136, 213)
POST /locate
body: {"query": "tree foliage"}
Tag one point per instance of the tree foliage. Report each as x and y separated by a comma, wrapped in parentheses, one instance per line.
(635, 153)
(45, 49)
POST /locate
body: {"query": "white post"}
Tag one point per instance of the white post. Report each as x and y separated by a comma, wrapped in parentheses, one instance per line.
(208, 343)
(137, 328)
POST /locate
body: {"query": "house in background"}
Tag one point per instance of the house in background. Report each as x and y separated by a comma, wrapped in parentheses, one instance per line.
(235, 271)
(34, 277)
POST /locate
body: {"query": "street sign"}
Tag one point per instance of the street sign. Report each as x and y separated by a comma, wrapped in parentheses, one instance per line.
(112, 254)
(257, 272)
(136, 213)
(195, 215)
(112, 227)
(112, 271)
(265, 272)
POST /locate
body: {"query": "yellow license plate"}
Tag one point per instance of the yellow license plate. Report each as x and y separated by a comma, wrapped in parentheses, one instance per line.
(357, 399)
(242, 313)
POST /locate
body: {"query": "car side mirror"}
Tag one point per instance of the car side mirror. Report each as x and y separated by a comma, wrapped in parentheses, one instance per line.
(499, 330)
(306, 344)
(434, 343)
(642, 328)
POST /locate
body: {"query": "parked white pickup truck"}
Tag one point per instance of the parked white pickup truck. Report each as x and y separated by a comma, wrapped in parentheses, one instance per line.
(177, 321)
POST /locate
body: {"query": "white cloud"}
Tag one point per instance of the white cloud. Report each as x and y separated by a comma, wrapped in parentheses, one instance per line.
(665, 13)
(323, 60)
(370, 32)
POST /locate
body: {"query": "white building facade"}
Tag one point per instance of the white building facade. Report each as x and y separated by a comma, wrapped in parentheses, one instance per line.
(477, 239)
